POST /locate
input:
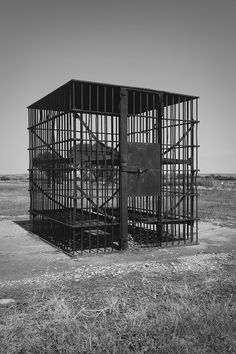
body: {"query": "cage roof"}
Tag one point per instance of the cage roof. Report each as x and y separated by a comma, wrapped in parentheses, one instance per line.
(89, 96)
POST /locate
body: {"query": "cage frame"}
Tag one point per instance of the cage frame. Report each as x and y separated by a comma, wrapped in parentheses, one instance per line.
(172, 119)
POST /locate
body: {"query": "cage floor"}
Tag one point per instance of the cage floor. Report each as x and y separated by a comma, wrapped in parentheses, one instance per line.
(88, 243)
(95, 232)
(83, 219)
(147, 237)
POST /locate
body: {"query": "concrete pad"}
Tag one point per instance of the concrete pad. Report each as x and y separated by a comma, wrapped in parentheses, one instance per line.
(24, 255)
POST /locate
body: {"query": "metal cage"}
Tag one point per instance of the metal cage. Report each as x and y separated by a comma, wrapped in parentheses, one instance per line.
(109, 164)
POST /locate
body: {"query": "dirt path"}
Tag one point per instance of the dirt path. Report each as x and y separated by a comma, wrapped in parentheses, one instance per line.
(24, 255)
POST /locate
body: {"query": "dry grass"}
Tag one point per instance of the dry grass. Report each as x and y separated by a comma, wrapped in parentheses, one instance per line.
(14, 198)
(217, 204)
(134, 313)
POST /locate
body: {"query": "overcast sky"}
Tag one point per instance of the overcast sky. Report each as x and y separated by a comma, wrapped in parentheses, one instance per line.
(185, 46)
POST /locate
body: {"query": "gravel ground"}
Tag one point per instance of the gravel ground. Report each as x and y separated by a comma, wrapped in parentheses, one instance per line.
(196, 263)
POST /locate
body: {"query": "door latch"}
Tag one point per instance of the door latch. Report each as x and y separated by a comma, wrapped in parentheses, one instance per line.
(139, 171)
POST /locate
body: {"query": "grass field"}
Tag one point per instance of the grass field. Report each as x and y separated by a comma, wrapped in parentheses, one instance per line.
(139, 312)
(14, 198)
(184, 309)
(215, 204)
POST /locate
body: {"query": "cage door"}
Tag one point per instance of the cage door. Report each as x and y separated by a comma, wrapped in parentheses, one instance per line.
(143, 169)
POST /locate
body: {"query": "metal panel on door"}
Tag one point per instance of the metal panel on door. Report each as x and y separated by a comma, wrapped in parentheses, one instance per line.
(143, 169)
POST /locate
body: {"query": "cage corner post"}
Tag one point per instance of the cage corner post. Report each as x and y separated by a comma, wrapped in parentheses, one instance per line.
(123, 169)
(30, 170)
(196, 170)
(74, 164)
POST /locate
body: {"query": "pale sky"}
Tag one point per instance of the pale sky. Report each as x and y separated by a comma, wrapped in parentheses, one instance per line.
(185, 46)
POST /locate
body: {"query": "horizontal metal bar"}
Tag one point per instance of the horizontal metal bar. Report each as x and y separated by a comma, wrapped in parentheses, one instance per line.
(176, 161)
(48, 120)
(100, 113)
(62, 160)
(86, 224)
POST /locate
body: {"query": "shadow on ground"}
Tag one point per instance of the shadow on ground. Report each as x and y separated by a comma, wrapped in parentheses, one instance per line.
(25, 255)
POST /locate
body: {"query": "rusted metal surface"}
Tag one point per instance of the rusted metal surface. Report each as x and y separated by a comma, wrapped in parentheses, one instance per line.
(111, 162)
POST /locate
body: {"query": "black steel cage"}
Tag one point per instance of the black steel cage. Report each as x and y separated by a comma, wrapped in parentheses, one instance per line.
(109, 164)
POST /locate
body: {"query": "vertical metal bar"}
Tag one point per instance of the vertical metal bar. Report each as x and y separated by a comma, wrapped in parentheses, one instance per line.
(30, 163)
(112, 159)
(175, 166)
(160, 118)
(196, 169)
(192, 170)
(179, 169)
(165, 172)
(139, 120)
(82, 169)
(187, 165)
(134, 139)
(184, 168)
(73, 95)
(172, 167)
(123, 168)
(74, 170)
